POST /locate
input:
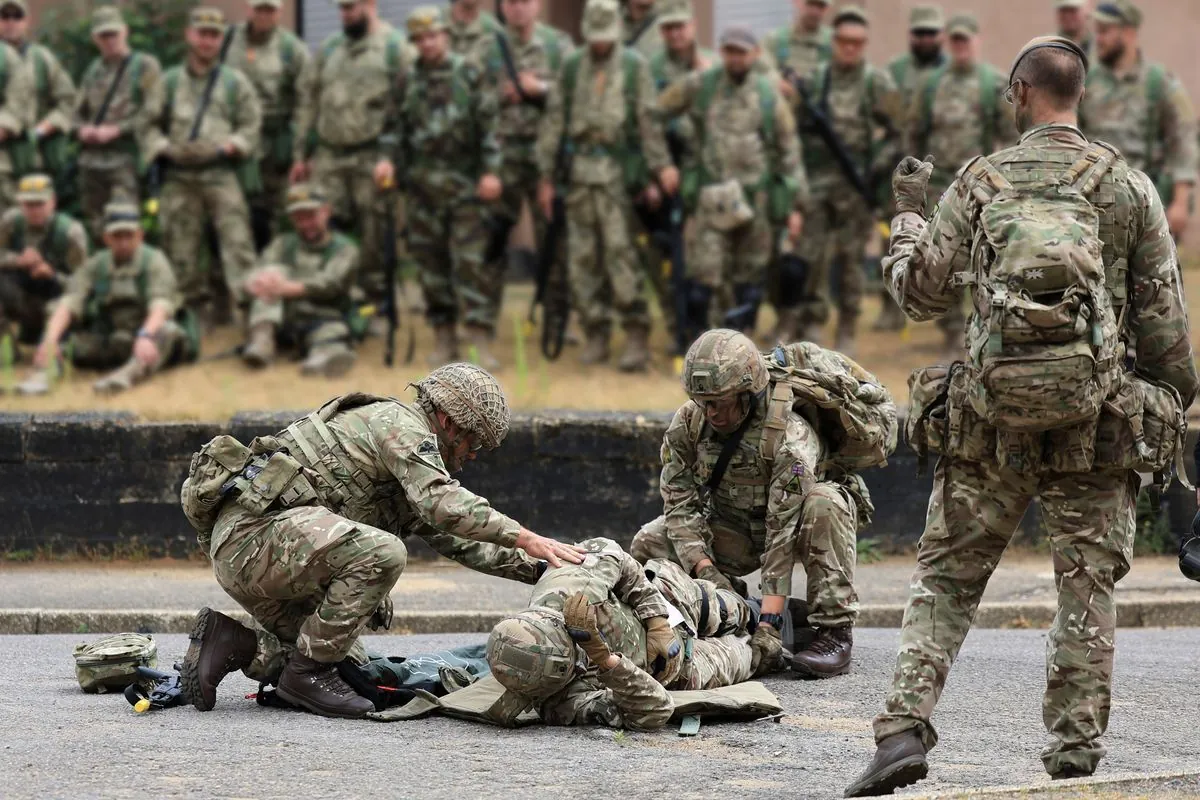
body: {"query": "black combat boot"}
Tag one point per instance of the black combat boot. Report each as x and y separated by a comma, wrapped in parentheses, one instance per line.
(317, 687)
(827, 656)
(219, 645)
(899, 761)
(1069, 771)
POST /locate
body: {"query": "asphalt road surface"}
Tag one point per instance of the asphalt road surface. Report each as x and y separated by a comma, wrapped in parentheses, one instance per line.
(58, 742)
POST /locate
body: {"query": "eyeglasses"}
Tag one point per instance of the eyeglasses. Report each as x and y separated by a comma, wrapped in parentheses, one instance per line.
(1010, 92)
(12, 14)
(850, 41)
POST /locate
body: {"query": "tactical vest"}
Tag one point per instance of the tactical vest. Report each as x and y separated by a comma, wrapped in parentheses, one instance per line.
(54, 245)
(783, 46)
(546, 35)
(988, 78)
(823, 81)
(629, 151)
(246, 167)
(97, 303)
(460, 104)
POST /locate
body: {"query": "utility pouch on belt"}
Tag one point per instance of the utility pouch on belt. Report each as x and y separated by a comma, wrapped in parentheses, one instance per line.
(201, 496)
(110, 664)
(725, 206)
(272, 479)
(1142, 427)
(926, 429)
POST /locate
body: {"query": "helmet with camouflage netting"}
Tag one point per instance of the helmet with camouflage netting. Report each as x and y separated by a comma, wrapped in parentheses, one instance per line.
(471, 397)
(723, 362)
(531, 653)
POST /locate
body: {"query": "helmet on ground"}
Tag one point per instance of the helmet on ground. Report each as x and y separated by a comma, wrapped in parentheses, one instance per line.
(531, 653)
(723, 362)
(471, 397)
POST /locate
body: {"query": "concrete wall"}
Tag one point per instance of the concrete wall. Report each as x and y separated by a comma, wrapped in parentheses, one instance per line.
(106, 483)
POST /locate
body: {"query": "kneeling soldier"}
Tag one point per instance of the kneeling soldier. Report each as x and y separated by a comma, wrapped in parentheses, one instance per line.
(301, 293)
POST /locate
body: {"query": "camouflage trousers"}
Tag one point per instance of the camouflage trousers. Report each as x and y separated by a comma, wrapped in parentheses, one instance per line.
(190, 200)
(727, 260)
(313, 334)
(310, 578)
(836, 230)
(98, 187)
(824, 544)
(602, 257)
(448, 238)
(268, 208)
(973, 512)
(519, 175)
(360, 208)
(92, 350)
(27, 309)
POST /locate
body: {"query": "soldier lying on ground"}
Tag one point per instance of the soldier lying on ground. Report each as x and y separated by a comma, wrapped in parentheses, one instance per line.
(304, 529)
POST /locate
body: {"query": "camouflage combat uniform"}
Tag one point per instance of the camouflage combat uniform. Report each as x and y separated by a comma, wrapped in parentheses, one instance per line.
(448, 143)
(628, 696)
(642, 36)
(18, 104)
(472, 40)
(796, 50)
(376, 476)
(348, 109)
(766, 513)
(63, 244)
(860, 102)
(977, 502)
(54, 92)
(201, 185)
(610, 127)
(743, 134)
(273, 66)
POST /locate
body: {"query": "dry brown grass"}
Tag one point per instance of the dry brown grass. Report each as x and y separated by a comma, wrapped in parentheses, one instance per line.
(216, 390)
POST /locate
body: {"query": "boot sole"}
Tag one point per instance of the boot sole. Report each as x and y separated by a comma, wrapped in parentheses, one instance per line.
(189, 670)
(812, 675)
(903, 773)
(296, 700)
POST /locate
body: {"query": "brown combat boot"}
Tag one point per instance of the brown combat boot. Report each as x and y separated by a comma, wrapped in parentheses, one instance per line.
(260, 350)
(445, 346)
(480, 339)
(317, 687)
(328, 362)
(123, 379)
(847, 334)
(636, 356)
(899, 761)
(595, 351)
(219, 645)
(827, 656)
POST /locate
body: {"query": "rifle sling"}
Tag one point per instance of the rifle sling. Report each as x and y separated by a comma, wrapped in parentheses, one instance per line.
(112, 90)
(213, 77)
(729, 448)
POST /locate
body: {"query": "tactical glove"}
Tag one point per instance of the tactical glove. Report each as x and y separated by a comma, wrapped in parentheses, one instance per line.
(381, 620)
(580, 617)
(662, 647)
(910, 184)
(767, 647)
(714, 576)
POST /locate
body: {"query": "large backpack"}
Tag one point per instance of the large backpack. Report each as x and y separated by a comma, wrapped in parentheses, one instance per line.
(849, 406)
(1043, 344)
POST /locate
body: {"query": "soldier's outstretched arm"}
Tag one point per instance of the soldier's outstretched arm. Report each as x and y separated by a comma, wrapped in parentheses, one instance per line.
(686, 524)
(622, 697)
(443, 503)
(1158, 316)
(490, 559)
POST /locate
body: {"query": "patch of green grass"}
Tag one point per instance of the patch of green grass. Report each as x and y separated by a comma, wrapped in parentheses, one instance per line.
(869, 551)
(20, 556)
(621, 738)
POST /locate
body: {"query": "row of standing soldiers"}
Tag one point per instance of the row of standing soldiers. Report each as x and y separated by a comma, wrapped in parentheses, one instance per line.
(756, 171)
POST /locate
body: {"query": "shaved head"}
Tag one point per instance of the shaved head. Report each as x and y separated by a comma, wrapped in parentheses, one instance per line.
(1057, 75)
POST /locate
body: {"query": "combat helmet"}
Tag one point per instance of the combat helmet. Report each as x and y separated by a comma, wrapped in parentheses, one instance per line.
(531, 653)
(723, 362)
(471, 397)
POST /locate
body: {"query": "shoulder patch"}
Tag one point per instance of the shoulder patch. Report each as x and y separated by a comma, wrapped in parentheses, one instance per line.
(428, 447)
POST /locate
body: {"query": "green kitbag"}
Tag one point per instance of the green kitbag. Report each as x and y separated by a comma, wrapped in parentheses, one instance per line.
(110, 664)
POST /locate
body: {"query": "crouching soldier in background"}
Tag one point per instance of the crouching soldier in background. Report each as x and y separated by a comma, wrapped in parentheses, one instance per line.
(121, 308)
(40, 248)
(301, 293)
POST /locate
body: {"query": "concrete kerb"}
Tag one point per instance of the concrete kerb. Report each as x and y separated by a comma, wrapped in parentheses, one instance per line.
(1165, 613)
(1110, 782)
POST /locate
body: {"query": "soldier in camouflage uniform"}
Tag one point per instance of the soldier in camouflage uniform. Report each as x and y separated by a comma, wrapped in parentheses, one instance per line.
(18, 103)
(775, 505)
(202, 182)
(313, 550)
(957, 113)
(301, 291)
(987, 476)
(108, 141)
(54, 91)
(603, 107)
(537, 52)
(450, 164)
(745, 178)
(40, 249)
(119, 308)
(1141, 109)
(1071, 17)
(640, 27)
(865, 109)
(471, 29)
(347, 130)
(272, 58)
(631, 655)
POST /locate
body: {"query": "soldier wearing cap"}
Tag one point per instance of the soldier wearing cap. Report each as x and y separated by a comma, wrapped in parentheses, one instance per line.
(301, 289)
(202, 148)
(801, 47)
(744, 179)
(471, 29)
(865, 111)
(272, 57)
(617, 145)
(348, 131)
(988, 474)
(1071, 17)
(681, 54)
(450, 164)
(109, 136)
(18, 105)
(1142, 109)
(956, 114)
(120, 309)
(54, 92)
(639, 25)
(308, 538)
(40, 248)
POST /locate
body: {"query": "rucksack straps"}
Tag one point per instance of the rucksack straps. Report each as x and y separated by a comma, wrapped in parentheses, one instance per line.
(728, 449)
(1085, 174)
